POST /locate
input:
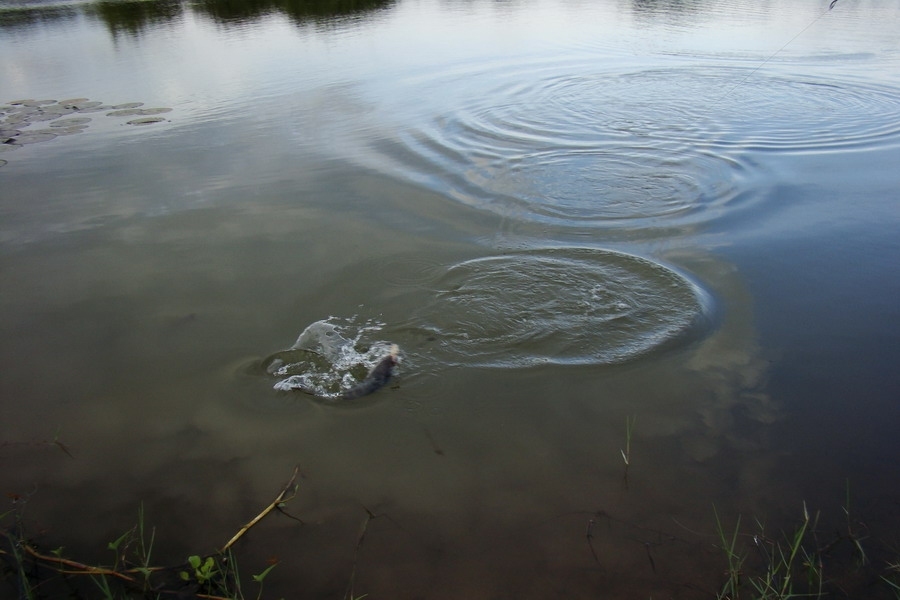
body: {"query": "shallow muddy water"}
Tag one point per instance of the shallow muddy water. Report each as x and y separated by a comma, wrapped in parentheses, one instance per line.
(661, 226)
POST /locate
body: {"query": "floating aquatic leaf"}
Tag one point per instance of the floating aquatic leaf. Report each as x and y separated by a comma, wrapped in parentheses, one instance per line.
(16, 118)
(24, 110)
(17, 115)
(72, 122)
(33, 138)
(37, 117)
(145, 121)
(131, 112)
(92, 109)
(155, 111)
(57, 109)
(57, 131)
(2, 162)
(68, 130)
(128, 112)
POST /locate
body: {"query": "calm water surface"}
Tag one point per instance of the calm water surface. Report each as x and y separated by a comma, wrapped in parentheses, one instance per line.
(566, 214)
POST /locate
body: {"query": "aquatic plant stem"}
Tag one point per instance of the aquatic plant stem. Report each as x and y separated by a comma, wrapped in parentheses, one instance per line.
(370, 516)
(626, 453)
(735, 561)
(629, 426)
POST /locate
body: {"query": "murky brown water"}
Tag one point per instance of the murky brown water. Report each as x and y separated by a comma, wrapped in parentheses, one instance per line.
(567, 217)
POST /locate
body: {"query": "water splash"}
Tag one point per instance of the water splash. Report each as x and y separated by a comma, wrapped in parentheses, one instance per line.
(329, 358)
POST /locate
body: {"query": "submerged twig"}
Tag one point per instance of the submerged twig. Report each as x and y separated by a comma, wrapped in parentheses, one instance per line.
(650, 556)
(82, 569)
(590, 540)
(289, 486)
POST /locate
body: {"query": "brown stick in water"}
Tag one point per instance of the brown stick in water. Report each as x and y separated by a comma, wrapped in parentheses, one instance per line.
(289, 486)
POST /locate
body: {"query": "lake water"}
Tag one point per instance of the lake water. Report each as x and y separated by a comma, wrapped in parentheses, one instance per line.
(578, 220)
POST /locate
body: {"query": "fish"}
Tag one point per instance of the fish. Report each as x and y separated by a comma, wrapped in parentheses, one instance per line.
(377, 378)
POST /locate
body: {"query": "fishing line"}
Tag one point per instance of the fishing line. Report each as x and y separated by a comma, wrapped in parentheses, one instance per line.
(776, 53)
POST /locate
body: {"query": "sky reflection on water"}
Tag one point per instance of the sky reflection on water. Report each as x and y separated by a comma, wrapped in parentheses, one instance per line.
(365, 160)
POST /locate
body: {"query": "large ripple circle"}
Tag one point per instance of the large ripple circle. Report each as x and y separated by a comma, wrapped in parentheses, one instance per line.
(559, 306)
(637, 152)
(717, 107)
(755, 110)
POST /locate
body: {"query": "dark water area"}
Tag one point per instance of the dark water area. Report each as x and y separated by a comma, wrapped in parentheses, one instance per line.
(654, 233)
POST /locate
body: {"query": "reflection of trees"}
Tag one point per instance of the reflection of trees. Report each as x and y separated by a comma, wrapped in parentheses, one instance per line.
(130, 17)
(28, 17)
(299, 10)
(669, 10)
(133, 17)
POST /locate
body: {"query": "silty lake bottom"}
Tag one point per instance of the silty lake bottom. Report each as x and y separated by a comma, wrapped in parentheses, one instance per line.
(640, 260)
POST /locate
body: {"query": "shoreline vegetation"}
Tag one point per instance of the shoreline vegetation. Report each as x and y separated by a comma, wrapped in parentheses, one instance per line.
(212, 576)
(815, 559)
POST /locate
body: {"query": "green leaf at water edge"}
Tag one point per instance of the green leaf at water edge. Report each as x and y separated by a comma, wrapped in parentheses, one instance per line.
(259, 578)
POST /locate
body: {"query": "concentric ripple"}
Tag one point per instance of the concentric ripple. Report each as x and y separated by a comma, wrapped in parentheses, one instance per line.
(604, 185)
(755, 110)
(713, 106)
(655, 148)
(559, 306)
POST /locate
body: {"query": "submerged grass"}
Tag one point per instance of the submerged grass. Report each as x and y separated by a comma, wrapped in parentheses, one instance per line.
(799, 563)
(37, 574)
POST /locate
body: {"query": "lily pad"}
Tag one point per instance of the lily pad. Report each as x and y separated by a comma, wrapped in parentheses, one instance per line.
(155, 111)
(92, 109)
(126, 112)
(24, 110)
(38, 117)
(57, 109)
(2, 162)
(73, 101)
(131, 112)
(86, 105)
(16, 118)
(67, 130)
(128, 105)
(71, 122)
(33, 138)
(145, 121)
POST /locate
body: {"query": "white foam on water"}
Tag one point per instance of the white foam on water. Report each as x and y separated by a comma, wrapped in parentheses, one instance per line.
(329, 357)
